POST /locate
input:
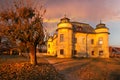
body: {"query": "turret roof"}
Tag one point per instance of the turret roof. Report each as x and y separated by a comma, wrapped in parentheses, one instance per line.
(101, 25)
(65, 19)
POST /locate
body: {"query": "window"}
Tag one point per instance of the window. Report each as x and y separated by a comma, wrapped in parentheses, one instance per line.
(79, 28)
(100, 40)
(92, 41)
(100, 53)
(61, 51)
(61, 37)
(74, 52)
(92, 53)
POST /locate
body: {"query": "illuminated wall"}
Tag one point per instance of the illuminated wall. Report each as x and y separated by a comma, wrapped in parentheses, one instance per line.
(77, 41)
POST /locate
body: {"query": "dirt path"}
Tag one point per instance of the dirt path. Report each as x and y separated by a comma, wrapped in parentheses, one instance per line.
(87, 69)
(69, 67)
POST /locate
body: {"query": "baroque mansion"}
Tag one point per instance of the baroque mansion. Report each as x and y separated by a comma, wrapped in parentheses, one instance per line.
(75, 39)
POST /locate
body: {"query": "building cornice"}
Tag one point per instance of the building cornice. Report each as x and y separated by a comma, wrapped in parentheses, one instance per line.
(64, 28)
(102, 32)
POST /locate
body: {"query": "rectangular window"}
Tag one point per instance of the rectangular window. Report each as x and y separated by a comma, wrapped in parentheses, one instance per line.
(100, 41)
(61, 37)
(100, 53)
(92, 53)
(92, 41)
(75, 52)
(61, 51)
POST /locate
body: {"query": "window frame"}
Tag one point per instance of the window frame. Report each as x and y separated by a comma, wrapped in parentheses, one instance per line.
(61, 51)
(61, 37)
(101, 52)
(92, 41)
(100, 41)
(93, 53)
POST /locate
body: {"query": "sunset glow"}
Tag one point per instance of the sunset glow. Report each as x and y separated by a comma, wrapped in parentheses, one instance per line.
(89, 11)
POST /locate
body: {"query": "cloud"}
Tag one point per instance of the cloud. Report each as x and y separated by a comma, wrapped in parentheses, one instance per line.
(82, 9)
(51, 20)
(90, 11)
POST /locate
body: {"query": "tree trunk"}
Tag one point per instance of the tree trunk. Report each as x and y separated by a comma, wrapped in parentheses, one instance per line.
(33, 57)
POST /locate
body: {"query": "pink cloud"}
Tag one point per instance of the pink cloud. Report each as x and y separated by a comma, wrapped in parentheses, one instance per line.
(84, 9)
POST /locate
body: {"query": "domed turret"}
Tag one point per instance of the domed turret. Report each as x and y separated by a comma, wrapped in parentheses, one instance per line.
(101, 25)
(65, 23)
(65, 20)
(101, 28)
(65, 35)
(102, 38)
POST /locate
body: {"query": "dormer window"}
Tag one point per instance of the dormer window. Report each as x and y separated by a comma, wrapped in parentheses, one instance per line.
(79, 28)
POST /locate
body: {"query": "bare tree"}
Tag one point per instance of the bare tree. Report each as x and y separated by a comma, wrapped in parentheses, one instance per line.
(24, 23)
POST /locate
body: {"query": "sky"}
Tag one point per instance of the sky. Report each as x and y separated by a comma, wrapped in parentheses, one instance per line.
(86, 11)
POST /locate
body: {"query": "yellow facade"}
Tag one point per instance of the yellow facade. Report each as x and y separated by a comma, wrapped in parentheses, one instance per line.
(74, 39)
(52, 46)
